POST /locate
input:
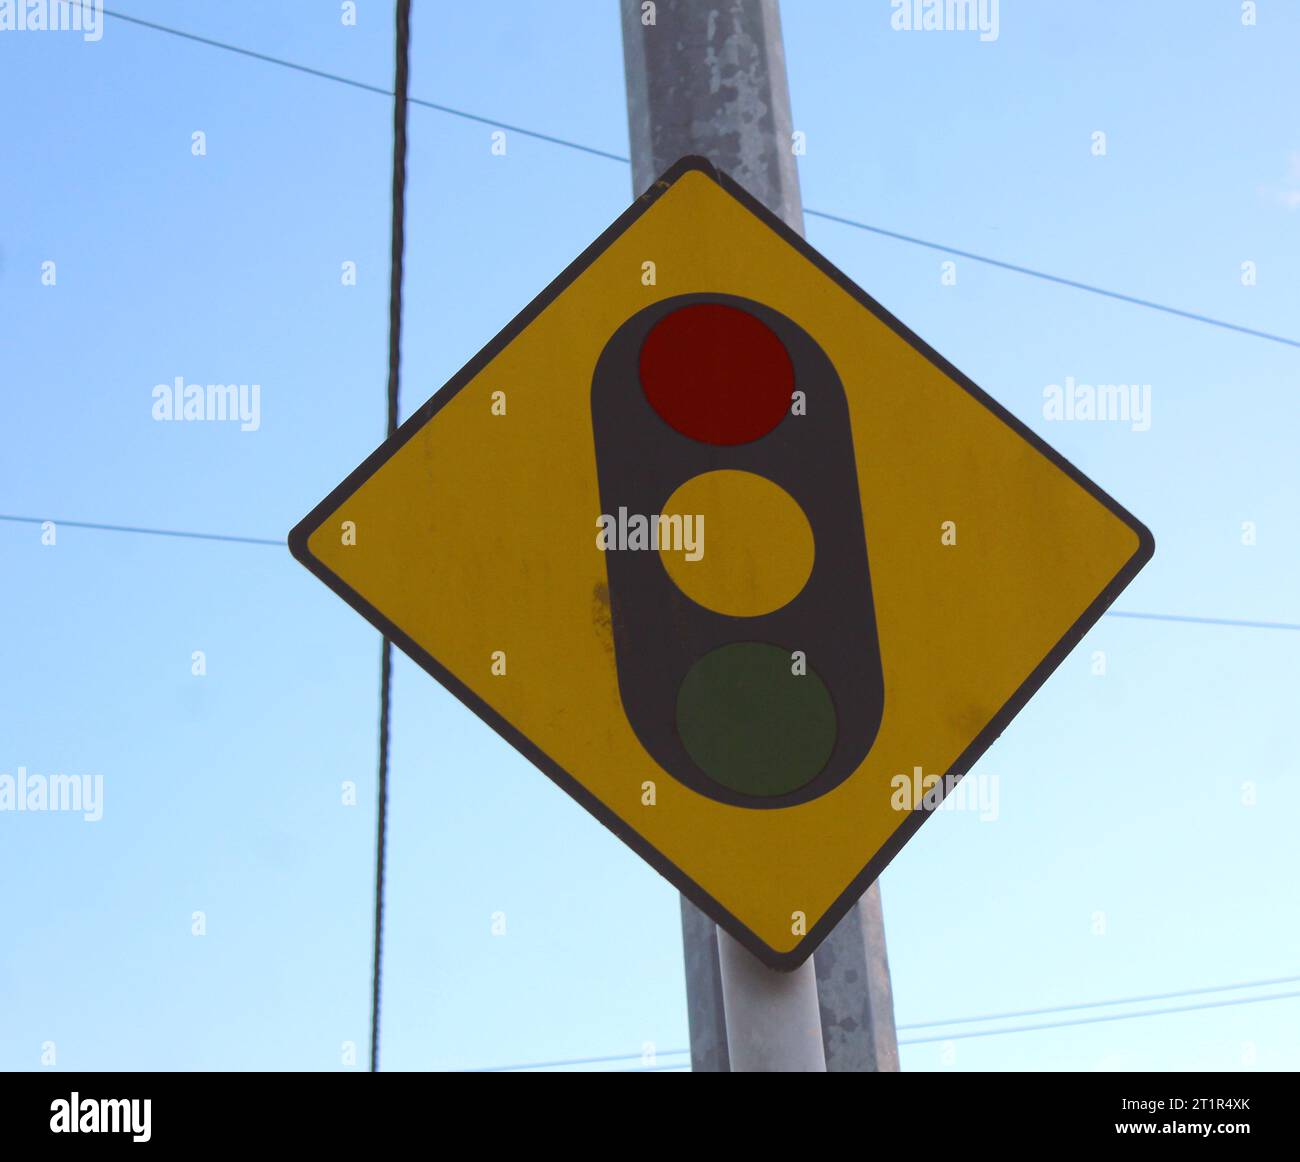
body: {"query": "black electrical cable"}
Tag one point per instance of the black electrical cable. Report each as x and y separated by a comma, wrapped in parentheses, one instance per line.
(403, 39)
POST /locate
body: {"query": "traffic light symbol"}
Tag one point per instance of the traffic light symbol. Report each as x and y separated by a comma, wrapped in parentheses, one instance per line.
(745, 640)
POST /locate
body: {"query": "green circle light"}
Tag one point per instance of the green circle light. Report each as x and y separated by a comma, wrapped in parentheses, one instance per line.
(753, 725)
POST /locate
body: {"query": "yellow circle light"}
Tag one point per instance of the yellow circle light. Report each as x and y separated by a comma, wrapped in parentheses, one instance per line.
(746, 547)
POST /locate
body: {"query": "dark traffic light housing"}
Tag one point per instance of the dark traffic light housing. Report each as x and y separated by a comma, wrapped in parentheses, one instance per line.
(776, 708)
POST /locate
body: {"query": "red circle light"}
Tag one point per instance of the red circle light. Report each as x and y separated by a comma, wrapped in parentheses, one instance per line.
(716, 374)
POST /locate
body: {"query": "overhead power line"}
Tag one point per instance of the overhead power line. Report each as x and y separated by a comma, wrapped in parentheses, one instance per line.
(105, 528)
(1160, 1012)
(562, 1062)
(987, 260)
(1237, 623)
(1099, 1020)
(378, 90)
(1217, 988)
(1058, 279)
(1204, 620)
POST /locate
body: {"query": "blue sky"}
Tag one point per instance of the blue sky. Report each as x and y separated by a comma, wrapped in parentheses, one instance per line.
(1119, 795)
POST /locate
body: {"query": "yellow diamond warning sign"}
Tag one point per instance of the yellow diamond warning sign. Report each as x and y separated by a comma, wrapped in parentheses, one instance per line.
(723, 548)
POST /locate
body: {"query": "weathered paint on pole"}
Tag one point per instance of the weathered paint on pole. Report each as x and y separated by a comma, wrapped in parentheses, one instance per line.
(857, 1002)
(710, 79)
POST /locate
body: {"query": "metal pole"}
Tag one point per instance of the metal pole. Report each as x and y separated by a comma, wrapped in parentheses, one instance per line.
(704, 1005)
(773, 1023)
(857, 1001)
(709, 78)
